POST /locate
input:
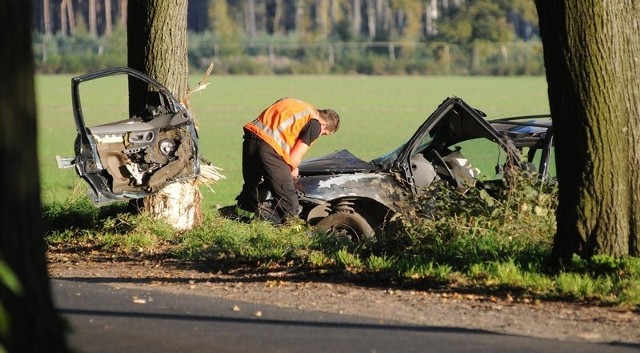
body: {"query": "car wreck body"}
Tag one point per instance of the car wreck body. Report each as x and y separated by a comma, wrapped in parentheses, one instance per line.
(343, 194)
(134, 157)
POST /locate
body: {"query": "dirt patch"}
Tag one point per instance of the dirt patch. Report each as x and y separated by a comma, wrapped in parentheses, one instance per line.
(439, 307)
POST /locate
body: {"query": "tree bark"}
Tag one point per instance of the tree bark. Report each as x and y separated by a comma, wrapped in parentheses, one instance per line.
(333, 20)
(63, 17)
(299, 17)
(371, 19)
(322, 21)
(46, 12)
(108, 25)
(157, 46)
(34, 324)
(71, 15)
(277, 18)
(592, 68)
(123, 12)
(357, 18)
(93, 18)
(250, 18)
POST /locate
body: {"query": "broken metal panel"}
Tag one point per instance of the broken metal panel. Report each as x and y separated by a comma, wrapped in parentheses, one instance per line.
(380, 187)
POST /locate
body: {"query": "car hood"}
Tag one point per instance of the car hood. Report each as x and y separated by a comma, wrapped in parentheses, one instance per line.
(341, 161)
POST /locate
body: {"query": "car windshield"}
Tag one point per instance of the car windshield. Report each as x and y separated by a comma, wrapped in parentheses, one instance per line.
(386, 161)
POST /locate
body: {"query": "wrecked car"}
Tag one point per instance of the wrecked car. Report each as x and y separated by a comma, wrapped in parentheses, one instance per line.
(138, 155)
(343, 194)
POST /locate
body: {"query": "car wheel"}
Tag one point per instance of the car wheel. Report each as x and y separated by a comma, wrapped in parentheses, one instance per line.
(346, 224)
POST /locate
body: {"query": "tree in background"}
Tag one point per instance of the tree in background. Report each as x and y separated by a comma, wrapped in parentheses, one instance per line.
(28, 321)
(221, 23)
(157, 46)
(523, 15)
(591, 57)
(480, 20)
(377, 20)
(408, 19)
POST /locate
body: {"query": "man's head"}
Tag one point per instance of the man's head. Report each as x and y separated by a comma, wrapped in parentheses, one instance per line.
(330, 121)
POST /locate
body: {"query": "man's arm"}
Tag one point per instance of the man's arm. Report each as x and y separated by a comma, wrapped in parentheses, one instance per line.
(297, 152)
(309, 133)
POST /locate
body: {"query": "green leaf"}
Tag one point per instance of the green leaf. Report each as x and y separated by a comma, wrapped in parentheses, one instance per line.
(9, 279)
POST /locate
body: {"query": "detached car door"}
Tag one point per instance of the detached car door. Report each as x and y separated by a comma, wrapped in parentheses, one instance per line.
(126, 157)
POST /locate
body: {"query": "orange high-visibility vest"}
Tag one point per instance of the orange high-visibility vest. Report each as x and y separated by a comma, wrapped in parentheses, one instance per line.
(279, 125)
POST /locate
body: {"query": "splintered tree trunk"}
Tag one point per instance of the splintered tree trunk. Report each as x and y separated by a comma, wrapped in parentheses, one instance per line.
(157, 46)
(33, 323)
(592, 66)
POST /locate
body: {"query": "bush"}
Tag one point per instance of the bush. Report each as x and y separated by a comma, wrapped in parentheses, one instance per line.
(461, 229)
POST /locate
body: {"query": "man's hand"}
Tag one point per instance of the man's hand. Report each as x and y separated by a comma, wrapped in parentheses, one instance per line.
(294, 173)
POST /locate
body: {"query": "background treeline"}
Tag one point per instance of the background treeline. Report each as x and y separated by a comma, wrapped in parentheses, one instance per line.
(465, 37)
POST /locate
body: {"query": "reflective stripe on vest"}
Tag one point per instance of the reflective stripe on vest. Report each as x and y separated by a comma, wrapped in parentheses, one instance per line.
(277, 135)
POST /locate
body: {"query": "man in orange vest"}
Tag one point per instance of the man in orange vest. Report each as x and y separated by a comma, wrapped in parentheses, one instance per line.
(273, 147)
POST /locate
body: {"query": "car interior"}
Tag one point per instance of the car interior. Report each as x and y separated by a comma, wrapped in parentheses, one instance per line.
(440, 154)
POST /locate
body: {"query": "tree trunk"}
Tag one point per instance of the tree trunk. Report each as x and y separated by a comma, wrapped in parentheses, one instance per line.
(298, 19)
(277, 18)
(107, 18)
(591, 59)
(357, 18)
(431, 18)
(46, 12)
(34, 325)
(93, 18)
(322, 21)
(371, 19)
(72, 17)
(157, 46)
(123, 12)
(63, 17)
(250, 18)
(333, 21)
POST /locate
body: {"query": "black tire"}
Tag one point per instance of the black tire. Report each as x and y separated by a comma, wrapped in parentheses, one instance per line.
(346, 224)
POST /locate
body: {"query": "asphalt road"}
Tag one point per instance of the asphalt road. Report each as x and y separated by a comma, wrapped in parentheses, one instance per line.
(105, 318)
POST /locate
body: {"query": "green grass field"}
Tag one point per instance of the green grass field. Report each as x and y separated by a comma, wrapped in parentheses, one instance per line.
(377, 114)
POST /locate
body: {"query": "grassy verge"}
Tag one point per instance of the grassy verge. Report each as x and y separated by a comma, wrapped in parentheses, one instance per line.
(471, 241)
